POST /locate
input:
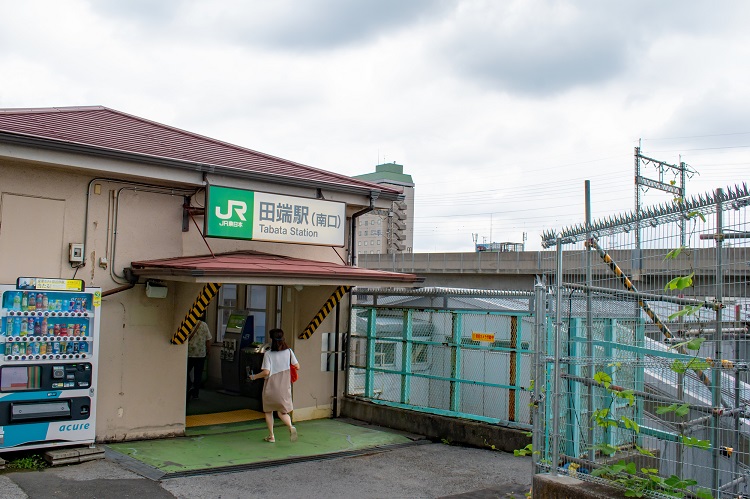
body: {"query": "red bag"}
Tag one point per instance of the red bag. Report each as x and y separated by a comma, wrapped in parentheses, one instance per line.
(292, 369)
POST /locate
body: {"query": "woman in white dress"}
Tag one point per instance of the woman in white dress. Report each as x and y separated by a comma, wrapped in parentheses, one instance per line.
(277, 387)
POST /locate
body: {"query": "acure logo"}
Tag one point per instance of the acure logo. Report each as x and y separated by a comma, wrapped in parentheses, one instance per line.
(74, 427)
(240, 207)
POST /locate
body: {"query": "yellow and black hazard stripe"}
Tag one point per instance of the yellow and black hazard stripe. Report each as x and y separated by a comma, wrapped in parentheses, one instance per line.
(195, 312)
(642, 303)
(630, 287)
(324, 311)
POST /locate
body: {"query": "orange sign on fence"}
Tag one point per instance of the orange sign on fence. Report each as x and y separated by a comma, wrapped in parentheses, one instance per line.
(488, 337)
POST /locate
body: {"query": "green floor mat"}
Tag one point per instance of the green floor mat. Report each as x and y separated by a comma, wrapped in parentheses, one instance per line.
(235, 445)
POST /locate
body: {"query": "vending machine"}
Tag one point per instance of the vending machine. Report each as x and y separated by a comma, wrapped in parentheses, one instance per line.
(49, 345)
(238, 336)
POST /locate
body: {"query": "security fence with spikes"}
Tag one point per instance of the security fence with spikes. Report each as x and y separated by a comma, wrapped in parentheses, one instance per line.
(642, 349)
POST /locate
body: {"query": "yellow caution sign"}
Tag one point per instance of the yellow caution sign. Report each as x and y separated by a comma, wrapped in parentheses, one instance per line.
(195, 312)
(324, 311)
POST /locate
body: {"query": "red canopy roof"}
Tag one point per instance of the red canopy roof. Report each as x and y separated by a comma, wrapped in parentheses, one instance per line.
(250, 267)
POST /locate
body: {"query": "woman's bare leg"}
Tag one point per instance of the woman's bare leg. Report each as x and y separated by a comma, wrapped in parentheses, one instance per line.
(269, 423)
(287, 420)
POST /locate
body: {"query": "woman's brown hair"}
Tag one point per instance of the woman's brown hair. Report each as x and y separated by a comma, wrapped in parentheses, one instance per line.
(277, 340)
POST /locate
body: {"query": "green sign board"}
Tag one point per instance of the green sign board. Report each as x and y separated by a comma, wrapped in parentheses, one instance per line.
(261, 216)
(229, 213)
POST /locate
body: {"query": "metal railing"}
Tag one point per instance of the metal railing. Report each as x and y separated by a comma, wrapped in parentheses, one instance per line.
(463, 353)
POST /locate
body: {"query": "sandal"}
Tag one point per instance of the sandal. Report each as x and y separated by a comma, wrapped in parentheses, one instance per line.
(270, 439)
(293, 434)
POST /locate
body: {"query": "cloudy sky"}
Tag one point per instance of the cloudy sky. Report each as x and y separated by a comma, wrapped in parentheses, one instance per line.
(500, 110)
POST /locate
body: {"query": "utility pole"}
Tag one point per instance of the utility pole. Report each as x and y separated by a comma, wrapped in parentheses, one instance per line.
(681, 172)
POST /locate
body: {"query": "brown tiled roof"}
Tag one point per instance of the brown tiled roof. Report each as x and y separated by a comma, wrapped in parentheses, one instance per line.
(226, 267)
(100, 130)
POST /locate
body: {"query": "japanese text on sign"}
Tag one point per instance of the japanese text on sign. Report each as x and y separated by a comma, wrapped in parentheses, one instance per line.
(486, 337)
(241, 214)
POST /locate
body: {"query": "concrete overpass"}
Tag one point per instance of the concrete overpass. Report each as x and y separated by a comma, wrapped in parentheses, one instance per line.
(517, 270)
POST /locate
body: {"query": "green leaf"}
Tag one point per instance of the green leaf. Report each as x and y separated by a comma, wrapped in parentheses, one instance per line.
(674, 253)
(627, 395)
(695, 344)
(704, 494)
(687, 310)
(694, 214)
(666, 408)
(680, 282)
(672, 481)
(698, 364)
(695, 442)
(630, 424)
(683, 410)
(603, 379)
(679, 367)
(600, 471)
(645, 452)
(631, 468)
(606, 449)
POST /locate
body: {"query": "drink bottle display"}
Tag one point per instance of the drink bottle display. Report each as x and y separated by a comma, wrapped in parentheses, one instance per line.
(49, 330)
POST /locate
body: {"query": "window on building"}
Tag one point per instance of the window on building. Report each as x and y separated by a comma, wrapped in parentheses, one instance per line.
(359, 243)
(365, 232)
(378, 242)
(419, 353)
(359, 233)
(255, 304)
(365, 222)
(226, 303)
(385, 354)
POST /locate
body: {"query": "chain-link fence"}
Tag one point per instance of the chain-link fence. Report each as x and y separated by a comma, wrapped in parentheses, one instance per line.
(643, 350)
(464, 353)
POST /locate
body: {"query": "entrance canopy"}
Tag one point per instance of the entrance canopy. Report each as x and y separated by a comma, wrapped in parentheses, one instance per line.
(251, 267)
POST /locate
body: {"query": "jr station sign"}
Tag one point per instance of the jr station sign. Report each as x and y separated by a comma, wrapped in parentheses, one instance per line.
(260, 216)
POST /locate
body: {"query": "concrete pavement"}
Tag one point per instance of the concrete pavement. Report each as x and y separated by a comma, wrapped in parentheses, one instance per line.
(421, 471)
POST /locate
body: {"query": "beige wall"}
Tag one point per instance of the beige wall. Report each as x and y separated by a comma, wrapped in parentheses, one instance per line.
(314, 391)
(141, 375)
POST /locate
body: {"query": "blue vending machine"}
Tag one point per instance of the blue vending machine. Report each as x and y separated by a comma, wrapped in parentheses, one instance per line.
(49, 342)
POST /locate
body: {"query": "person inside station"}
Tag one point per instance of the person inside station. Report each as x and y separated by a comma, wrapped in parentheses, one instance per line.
(198, 346)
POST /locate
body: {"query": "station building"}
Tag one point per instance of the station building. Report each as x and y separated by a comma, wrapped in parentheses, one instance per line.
(173, 226)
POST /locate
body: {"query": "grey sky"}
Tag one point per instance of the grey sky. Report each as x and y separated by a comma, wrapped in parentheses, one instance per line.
(498, 109)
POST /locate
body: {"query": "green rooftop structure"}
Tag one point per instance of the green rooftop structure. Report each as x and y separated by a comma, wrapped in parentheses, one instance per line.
(388, 231)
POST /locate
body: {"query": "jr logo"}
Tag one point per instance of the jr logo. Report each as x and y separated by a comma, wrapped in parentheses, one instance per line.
(240, 207)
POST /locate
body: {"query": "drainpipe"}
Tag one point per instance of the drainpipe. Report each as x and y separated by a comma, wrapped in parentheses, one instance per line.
(353, 239)
(374, 194)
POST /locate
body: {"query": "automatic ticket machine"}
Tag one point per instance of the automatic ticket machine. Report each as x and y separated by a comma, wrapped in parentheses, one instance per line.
(49, 343)
(238, 339)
